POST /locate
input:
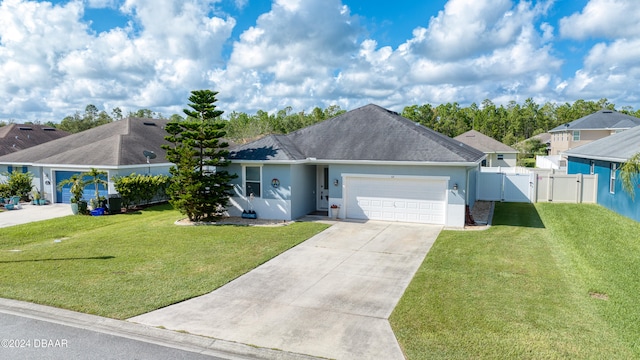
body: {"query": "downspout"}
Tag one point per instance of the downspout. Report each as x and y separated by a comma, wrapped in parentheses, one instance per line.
(466, 195)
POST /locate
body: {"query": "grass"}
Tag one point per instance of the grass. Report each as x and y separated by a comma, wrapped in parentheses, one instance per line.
(551, 281)
(124, 265)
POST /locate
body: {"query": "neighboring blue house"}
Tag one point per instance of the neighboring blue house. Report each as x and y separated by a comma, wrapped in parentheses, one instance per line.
(371, 162)
(604, 157)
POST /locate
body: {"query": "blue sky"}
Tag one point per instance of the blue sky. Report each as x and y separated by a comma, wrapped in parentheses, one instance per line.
(58, 56)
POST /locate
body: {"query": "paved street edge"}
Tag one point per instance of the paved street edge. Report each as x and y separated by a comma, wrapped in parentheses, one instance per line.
(177, 340)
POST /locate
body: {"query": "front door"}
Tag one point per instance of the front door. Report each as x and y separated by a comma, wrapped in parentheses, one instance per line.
(322, 192)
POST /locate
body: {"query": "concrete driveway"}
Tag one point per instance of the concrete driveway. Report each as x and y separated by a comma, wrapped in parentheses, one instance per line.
(30, 213)
(330, 296)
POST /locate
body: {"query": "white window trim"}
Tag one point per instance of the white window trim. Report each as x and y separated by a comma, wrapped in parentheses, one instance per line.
(612, 178)
(592, 167)
(576, 132)
(244, 179)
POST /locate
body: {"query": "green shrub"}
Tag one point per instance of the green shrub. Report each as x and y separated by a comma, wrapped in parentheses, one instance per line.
(136, 189)
(19, 184)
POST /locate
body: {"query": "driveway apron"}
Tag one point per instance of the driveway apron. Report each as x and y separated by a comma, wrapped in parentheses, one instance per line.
(330, 296)
(29, 213)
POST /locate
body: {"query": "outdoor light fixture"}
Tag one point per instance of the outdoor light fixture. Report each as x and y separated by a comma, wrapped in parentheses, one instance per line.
(335, 182)
(455, 186)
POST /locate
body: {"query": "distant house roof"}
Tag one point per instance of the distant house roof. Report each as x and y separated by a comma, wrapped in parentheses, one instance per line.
(119, 143)
(484, 143)
(601, 120)
(369, 133)
(617, 147)
(544, 138)
(15, 137)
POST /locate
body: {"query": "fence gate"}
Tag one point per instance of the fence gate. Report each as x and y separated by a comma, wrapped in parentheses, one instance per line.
(505, 187)
(517, 187)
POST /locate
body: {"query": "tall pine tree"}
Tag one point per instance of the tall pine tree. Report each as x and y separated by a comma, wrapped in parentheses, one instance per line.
(199, 186)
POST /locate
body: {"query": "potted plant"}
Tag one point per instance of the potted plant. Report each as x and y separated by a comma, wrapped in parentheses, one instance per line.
(35, 194)
(335, 209)
(77, 189)
(43, 199)
(5, 193)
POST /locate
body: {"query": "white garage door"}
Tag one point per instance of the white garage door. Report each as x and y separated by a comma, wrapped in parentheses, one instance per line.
(420, 200)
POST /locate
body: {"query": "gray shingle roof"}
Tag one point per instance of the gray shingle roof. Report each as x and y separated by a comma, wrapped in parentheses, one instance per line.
(367, 133)
(484, 143)
(617, 147)
(119, 143)
(15, 137)
(601, 120)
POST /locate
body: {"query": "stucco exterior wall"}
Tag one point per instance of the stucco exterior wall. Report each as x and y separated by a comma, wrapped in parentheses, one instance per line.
(619, 201)
(296, 194)
(508, 160)
(563, 140)
(273, 203)
(303, 194)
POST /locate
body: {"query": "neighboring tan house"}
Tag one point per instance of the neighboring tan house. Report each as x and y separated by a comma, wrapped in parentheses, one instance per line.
(117, 148)
(371, 162)
(589, 128)
(498, 154)
(15, 137)
(604, 157)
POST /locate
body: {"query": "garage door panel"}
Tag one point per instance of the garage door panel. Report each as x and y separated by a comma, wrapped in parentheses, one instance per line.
(396, 199)
(63, 195)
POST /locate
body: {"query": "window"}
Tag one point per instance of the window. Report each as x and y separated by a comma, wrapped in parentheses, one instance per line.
(612, 179)
(576, 135)
(252, 180)
(500, 157)
(592, 167)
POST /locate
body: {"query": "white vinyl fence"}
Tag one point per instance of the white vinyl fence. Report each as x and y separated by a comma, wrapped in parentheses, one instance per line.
(575, 188)
(534, 186)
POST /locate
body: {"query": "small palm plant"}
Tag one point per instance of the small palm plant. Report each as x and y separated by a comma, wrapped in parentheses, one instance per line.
(76, 189)
(97, 178)
(629, 173)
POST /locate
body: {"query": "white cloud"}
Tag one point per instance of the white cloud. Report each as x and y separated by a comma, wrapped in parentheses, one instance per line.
(49, 56)
(610, 70)
(101, 4)
(603, 18)
(291, 53)
(303, 53)
(467, 28)
(310, 53)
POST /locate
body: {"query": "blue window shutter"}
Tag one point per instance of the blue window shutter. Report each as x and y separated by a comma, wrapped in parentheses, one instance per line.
(10, 169)
(24, 169)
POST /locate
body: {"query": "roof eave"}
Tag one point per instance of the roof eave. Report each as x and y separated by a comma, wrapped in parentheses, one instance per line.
(107, 167)
(361, 162)
(593, 129)
(596, 157)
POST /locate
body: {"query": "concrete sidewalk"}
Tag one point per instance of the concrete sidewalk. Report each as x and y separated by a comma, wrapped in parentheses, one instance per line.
(30, 213)
(330, 296)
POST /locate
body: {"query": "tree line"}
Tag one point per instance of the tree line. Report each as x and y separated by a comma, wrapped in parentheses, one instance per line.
(510, 123)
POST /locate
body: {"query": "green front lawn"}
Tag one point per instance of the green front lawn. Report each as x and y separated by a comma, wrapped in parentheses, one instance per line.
(546, 281)
(124, 265)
